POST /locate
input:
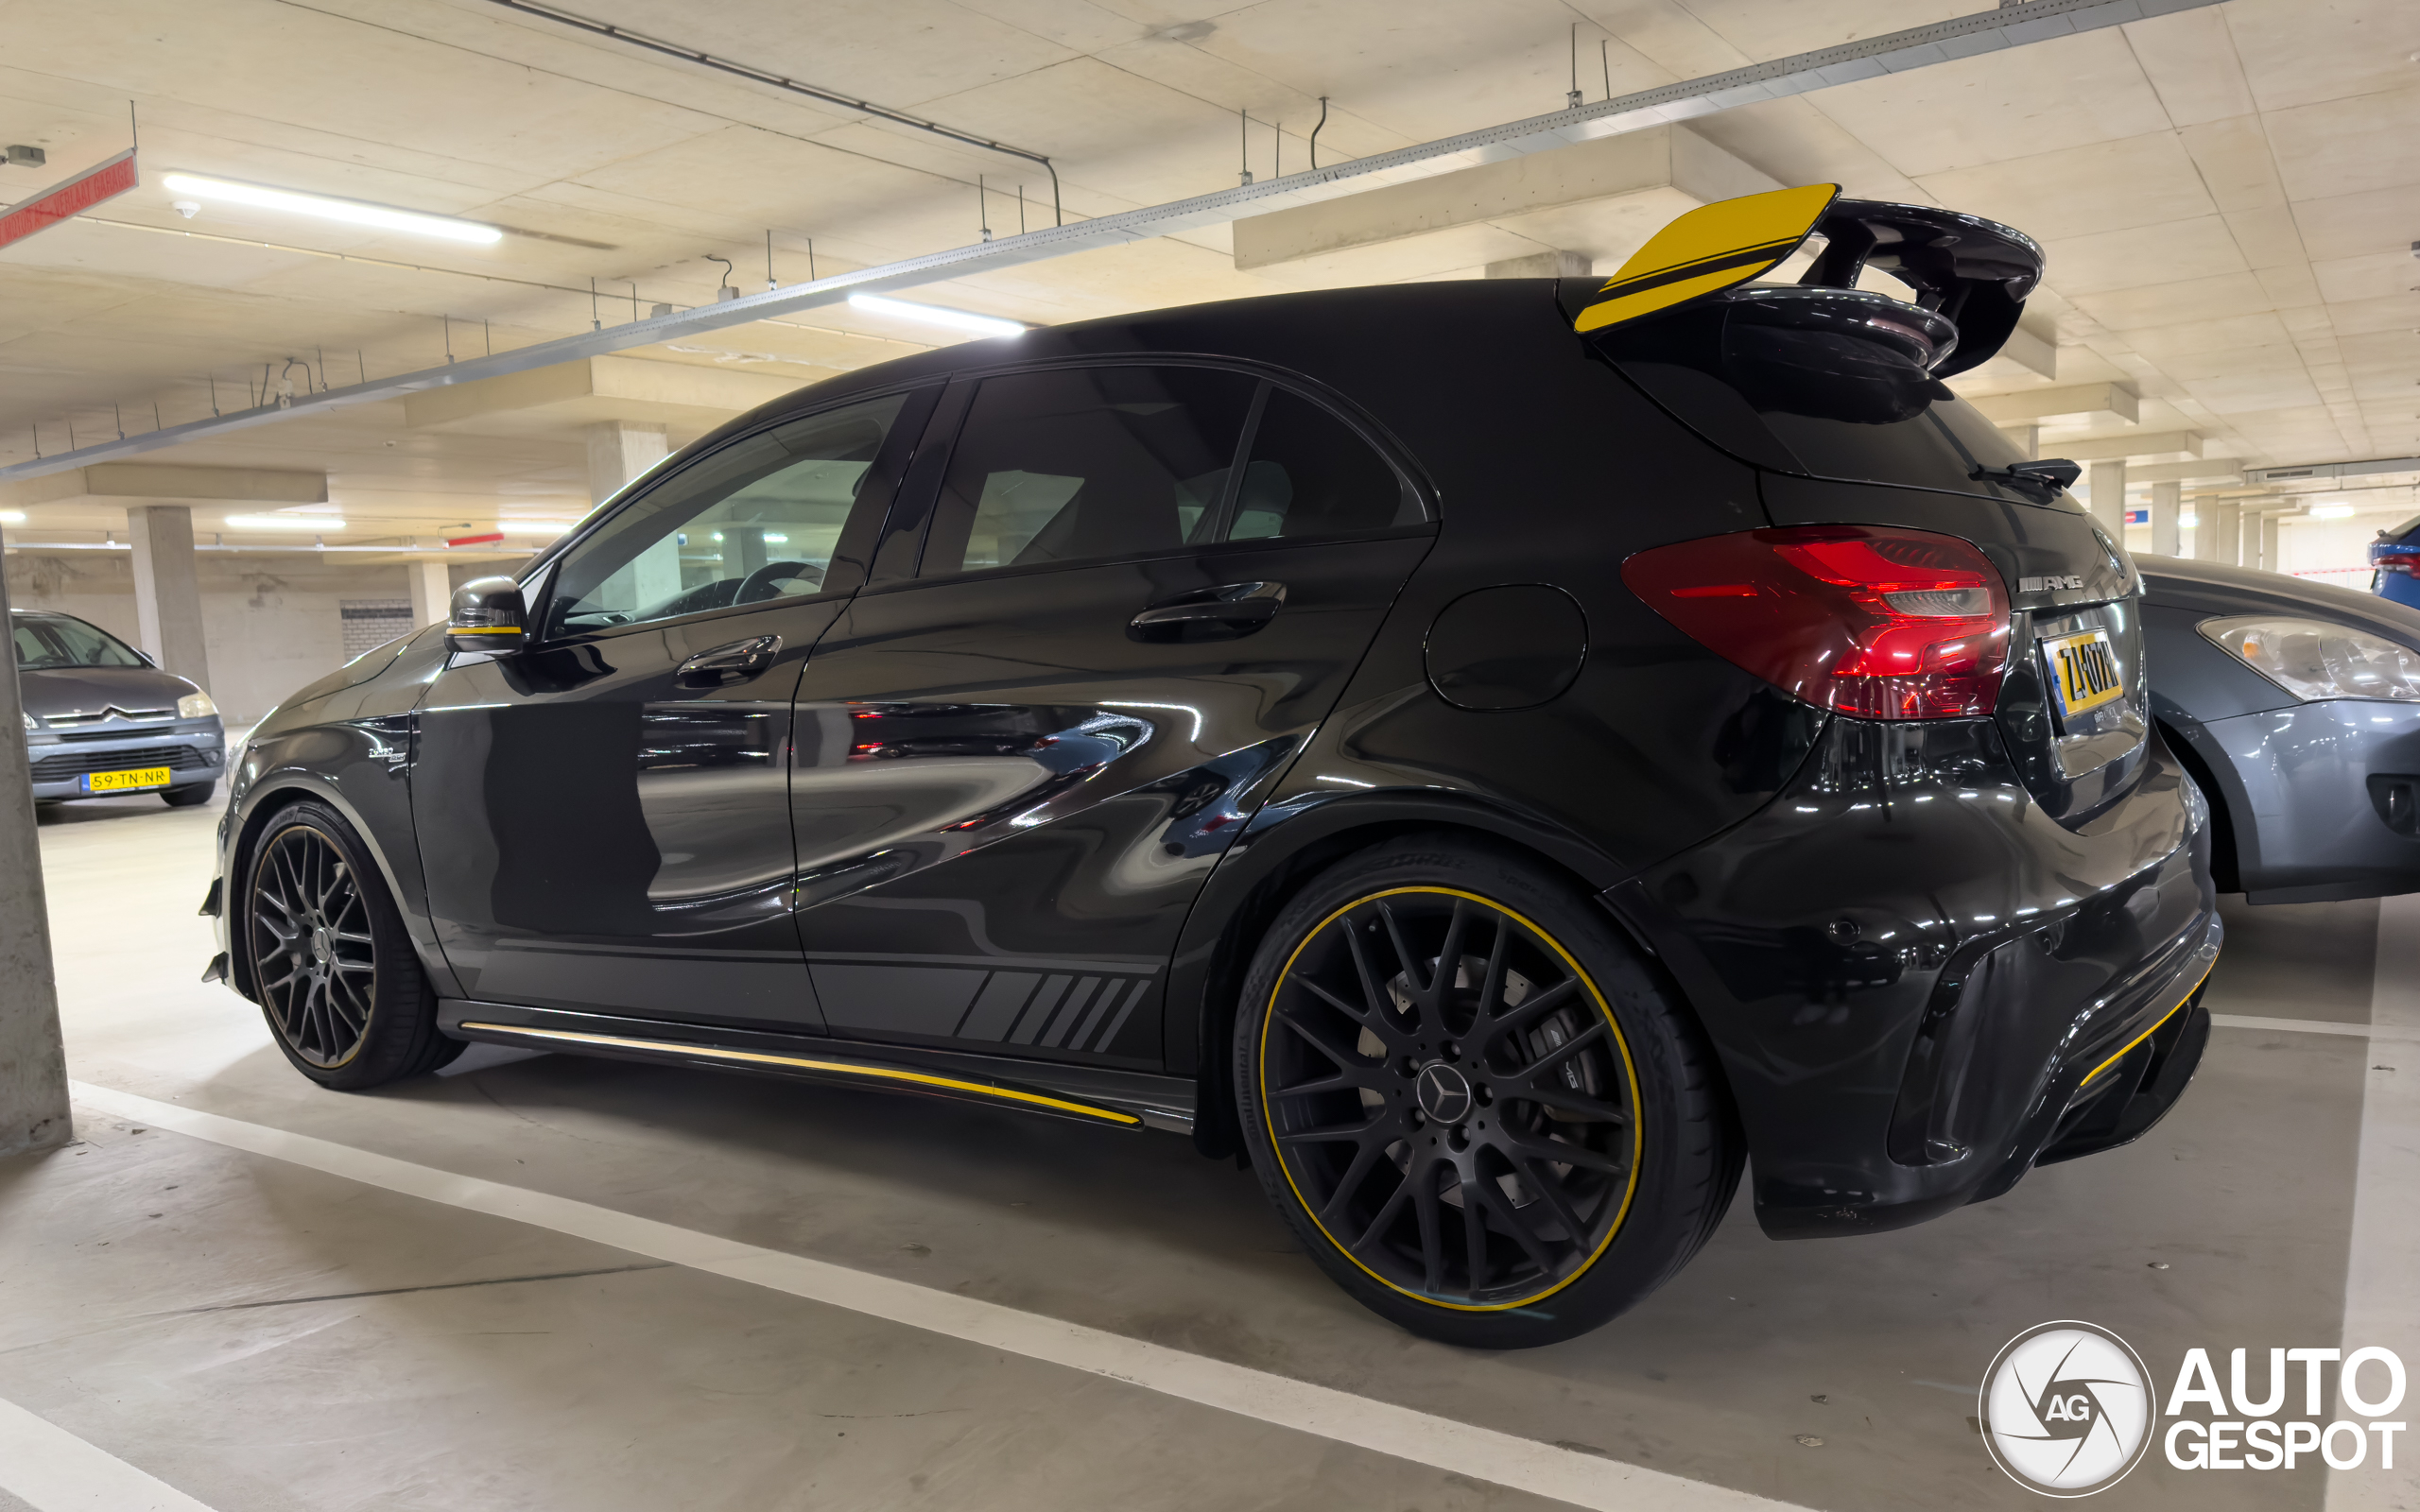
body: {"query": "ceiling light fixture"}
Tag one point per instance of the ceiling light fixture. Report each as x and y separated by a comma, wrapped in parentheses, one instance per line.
(2331, 511)
(12, 517)
(350, 210)
(284, 522)
(987, 325)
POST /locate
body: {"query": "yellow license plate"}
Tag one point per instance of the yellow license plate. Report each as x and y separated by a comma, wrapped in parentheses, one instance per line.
(2083, 671)
(133, 781)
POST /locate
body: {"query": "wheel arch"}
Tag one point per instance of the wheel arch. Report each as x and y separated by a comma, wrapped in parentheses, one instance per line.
(1287, 847)
(262, 803)
(2192, 746)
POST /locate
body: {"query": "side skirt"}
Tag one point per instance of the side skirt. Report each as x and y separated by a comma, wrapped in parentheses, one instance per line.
(1085, 1095)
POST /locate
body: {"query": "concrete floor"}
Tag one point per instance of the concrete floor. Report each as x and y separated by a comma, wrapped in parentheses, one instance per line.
(264, 1336)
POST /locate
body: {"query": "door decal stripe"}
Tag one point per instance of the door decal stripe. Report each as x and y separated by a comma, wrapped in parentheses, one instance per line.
(837, 1068)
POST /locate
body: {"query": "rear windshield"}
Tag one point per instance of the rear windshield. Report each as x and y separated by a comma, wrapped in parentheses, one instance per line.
(2402, 530)
(64, 642)
(1816, 386)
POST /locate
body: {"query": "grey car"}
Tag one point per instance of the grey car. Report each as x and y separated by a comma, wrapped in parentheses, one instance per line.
(102, 721)
(2296, 707)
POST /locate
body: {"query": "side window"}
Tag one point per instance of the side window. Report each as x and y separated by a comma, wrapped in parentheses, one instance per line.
(1311, 475)
(752, 521)
(1087, 463)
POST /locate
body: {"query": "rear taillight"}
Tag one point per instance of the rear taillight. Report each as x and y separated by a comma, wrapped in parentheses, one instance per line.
(1870, 620)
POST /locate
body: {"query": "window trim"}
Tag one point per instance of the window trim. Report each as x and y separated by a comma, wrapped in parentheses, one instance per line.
(919, 513)
(859, 533)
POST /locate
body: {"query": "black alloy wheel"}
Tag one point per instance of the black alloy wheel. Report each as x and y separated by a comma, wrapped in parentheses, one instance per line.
(331, 966)
(1465, 1091)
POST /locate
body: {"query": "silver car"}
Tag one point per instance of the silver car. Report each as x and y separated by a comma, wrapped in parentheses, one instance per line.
(102, 720)
(2296, 707)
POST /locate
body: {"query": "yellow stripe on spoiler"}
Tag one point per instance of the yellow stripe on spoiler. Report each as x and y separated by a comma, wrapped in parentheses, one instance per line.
(1709, 249)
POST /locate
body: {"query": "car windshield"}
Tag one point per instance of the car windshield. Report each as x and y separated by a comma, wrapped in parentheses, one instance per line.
(46, 641)
(1827, 383)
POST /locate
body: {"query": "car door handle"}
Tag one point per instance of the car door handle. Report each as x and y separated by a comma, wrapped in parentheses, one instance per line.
(735, 663)
(1225, 612)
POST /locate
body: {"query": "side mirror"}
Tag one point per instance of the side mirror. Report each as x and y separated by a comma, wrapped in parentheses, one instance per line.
(489, 617)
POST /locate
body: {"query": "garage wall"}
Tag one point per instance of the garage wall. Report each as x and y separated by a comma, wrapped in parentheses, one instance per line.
(271, 624)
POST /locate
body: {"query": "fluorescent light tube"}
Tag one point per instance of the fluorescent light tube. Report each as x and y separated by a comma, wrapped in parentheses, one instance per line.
(937, 315)
(12, 517)
(350, 210)
(285, 522)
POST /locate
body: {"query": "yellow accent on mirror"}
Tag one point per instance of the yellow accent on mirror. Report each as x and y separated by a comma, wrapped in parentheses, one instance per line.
(1711, 248)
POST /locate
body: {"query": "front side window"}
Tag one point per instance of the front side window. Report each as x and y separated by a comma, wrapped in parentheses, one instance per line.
(1116, 463)
(64, 642)
(755, 522)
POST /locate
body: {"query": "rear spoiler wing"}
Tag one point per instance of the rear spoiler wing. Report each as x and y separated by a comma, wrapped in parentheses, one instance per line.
(1975, 273)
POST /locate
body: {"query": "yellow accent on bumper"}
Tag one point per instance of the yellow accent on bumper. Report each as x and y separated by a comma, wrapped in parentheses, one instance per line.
(2153, 1030)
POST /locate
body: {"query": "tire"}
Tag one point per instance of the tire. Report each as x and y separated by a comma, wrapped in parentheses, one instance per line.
(1370, 1084)
(331, 964)
(189, 797)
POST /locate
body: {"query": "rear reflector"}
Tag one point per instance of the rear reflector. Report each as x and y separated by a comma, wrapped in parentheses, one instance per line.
(1868, 619)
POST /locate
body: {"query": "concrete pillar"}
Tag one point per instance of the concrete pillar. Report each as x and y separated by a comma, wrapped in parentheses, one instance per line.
(2250, 536)
(2108, 488)
(432, 593)
(2167, 511)
(2226, 532)
(33, 1065)
(618, 451)
(1544, 264)
(2270, 561)
(168, 600)
(2027, 439)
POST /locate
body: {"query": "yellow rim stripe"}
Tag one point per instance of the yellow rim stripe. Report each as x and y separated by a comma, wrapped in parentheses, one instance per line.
(1637, 1123)
(839, 1068)
(2154, 1029)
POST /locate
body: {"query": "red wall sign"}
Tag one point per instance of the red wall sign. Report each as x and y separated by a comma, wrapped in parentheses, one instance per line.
(67, 200)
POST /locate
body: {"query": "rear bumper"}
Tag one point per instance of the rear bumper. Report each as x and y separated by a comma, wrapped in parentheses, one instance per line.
(1917, 980)
(2318, 817)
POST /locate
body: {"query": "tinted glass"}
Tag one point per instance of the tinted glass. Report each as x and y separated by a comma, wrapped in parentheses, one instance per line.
(1311, 475)
(1087, 464)
(752, 521)
(1793, 384)
(64, 642)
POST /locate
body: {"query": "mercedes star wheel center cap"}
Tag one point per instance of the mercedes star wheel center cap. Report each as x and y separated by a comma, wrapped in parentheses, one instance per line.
(1444, 1094)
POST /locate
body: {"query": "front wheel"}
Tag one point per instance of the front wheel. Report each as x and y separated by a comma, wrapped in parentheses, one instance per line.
(1473, 1100)
(332, 967)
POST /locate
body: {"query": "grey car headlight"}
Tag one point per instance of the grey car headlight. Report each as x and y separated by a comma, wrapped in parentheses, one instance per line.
(2316, 659)
(31, 723)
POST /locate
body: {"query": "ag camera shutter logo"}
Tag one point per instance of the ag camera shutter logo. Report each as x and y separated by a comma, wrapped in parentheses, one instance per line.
(2066, 1409)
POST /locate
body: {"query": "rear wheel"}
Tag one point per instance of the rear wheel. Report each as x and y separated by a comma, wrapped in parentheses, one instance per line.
(332, 967)
(1473, 1100)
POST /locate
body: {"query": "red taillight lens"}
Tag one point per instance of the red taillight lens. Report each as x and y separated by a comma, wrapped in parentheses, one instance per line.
(1870, 620)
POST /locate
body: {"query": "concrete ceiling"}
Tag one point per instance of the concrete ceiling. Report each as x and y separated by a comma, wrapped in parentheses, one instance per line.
(2226, 195)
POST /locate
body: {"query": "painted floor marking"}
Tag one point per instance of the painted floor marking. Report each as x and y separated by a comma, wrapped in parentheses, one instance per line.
(2372, 1031)
(1403, 1433)
(53, 1470)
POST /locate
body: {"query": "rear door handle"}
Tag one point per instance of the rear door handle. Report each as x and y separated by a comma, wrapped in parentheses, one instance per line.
(735, 663)
(1226, 613)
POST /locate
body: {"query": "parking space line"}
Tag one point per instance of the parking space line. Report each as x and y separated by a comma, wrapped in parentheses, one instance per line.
(50, 1469)
(1402, 1433)
(2369, 1031)
(2384, 1251)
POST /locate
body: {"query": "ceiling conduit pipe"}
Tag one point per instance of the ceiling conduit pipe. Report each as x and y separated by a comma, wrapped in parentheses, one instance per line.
(690, 55)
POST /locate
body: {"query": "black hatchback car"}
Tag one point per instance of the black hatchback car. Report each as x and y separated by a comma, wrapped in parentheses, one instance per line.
(1496, 777)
